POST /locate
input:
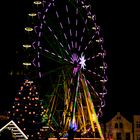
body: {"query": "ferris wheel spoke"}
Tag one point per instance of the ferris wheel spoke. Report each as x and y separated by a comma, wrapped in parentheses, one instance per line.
(48, 6)
(94, 73)
(99, 95)
(93, 89)
(68, 20)
(76, 24)
(57, 39)
(55, 56)
(83, 31)
(52, 31)
(62, 27)
(94, 57)
(89, 43)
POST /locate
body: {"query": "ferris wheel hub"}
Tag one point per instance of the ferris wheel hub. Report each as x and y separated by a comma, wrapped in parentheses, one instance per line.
(79, 62)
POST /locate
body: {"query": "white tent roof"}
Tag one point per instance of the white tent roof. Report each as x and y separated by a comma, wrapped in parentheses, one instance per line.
(15, 129)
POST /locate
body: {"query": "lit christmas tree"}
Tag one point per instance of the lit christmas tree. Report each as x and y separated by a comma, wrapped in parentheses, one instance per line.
(27, 110)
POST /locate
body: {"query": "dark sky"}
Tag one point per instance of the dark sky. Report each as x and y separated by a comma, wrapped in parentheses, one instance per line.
(120, 25)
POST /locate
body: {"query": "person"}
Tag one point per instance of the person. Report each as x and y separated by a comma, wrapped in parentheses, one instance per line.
(71, 134)
(78, 133)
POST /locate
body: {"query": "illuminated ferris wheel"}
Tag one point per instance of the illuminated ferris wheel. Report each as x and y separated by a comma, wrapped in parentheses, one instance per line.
(69, 58)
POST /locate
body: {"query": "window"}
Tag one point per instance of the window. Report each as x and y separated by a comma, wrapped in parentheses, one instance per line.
(121, 125)
(116, 125)
(138, 124)
(138, 137)
(127, 136)
(118, 136)
(118, 118)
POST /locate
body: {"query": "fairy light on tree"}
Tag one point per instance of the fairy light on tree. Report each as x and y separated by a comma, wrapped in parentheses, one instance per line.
(27, 110)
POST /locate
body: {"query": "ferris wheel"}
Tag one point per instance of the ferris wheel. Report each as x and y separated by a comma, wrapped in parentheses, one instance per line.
(70, 59)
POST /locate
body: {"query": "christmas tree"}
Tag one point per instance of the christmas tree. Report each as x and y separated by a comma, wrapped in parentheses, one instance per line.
(27, 110)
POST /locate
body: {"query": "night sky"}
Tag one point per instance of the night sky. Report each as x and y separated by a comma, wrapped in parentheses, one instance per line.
(120, 26)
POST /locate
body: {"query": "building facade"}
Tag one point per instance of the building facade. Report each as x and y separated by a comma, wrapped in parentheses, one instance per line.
(119, 128)
(136, 126)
